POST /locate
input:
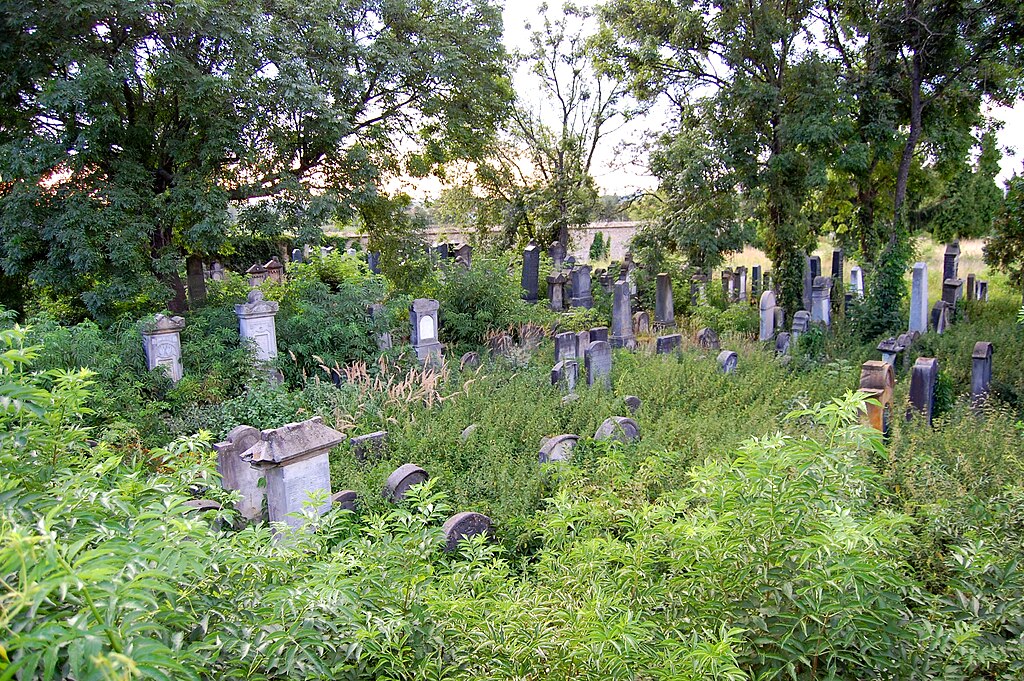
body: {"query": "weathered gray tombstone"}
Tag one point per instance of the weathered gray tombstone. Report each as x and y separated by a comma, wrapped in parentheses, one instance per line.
(952, 292)
(727, 361)
(557, 448)
(667, 344)
(402, 479)
(801, 322)
(201, 505)
(599, 333)
(951, 261)
(618, 429)
(741, 283)
(641, 324)
(972, 287)
(581, 294)
(632, 403)
(161, 342)
(275, 270)
(664, 306)
(566, 372)
(622, 317)
(941, 316)
(236, 474)
(440, 253)
(582, 343)
(767, 310)
(755, 282)
(780, 317)
(707, 339)
(470, 361)
(424, 329)
(919, 298)
(464, 255)
(922, 386)
(599, 364)
(556, 291)
(297, 255)
(373, 261)
(217, 272)
(890, 349)
(295, 459)
(346, 500)
(257, 274)
(256, 323)
(981, 371)
(857, 281)
(531, 272)
(821, 295)
(556, 251)
(565, 346)
(782, 341)
(370, 446)
(465, 525)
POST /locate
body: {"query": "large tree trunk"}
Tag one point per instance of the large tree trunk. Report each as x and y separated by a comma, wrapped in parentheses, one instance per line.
(903, 174)
(178, 303)
(196, 280)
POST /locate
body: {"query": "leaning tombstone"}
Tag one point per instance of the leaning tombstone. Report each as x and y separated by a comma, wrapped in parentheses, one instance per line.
(295, 459)
(727, 361)
(877, 381)
(707, 339)
(236, 474)
(256, 324)
(923, 378)
(582, 342)
(919, 298)
(767, 310)
(618, 429)
(346, 500)
(664, 307)
(370, 446)
(981, 371)
(402, 479)
(558, 448)
(599, 364)
(633, 403)
(580, 283)
(667, 344)
(941, 316)
(424, 329)
(465, 525)
(782, 341)
(622, 317)
(531, 272)
(470, 361)
(468, 431)
(161, 341)
(566, 372)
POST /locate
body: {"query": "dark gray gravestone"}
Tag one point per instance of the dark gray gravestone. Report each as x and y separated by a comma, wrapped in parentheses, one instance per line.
(373, 261)
(557, 448)
(981, 371)
(633, 403)
(599, 333)
(941, 316)
(922, 386)
(808, 283)
(346, 499)
(838, 290)
(707, 339)
(755, 282)
(565, 346)
(983, 290)
(951, 261)
(531, 272)
(667, 344)
(952, 291)
(465, 525)
(566, 371)
(727, 361)
(580, 283)
(296, 255)
(622, 317)
(599, 364)
(782, 341)
(618, 428)
(403, 478)
(664, 306)
(972, 287)
(371, 445)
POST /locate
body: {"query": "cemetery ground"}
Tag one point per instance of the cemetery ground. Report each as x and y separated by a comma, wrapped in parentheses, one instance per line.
(754, 530)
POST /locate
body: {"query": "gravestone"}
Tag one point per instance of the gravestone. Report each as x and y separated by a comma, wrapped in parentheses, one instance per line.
(782, 342)
(599, 333)
(217, 272)
(728, 285)
(581, 294)
(440, 252)
(821, 293)
(983, 290)
(373, 261)
(890, 349)
(941, 316)
(633, 403)
(667, 344)
(295, 459)
(698, 289)
(257, 274)
(877, 380)
(837, 278)
(755, 282)
(557, 448)
(919, 298)
(556, 291)
(618, 429)
(981, 371)
(275, 270)
(465, 525)
(236, 474)
(566, 371)
(599, 364)
(404, 477)
(346, 500)
(812, 270)
(370, 446)
(951, 261)
(707, 339)
(531, 272)
(923, 378)
(641, 324)
(972, 287)
(741, 284)
(556, 251)
(952, 292)
(622, 317)
(767, 310)
(424, 330)
(727, 361)
(664, 307)
(470, 361)
(857, 281)
(297, 255)
(161, 342)
(582, 343)
(565, 346)
(780, 317)
(464, 255)
(801, 322)
(256, 323)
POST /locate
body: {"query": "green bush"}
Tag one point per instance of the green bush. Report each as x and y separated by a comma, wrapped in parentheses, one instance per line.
(477, 300)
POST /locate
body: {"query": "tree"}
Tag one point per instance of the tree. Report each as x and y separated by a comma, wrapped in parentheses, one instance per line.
(130, 128)
(1005, 250)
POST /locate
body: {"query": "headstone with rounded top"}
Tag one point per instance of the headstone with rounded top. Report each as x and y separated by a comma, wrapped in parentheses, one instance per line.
(424, 330)
(557, 448)
(641, 324)
(664, 306)
(402, 479)
(470, 361)
(981, 370)
(622, 317)
(877, 381)
(923, 378)
(579, 279)
(767, 309)
(468, 431)
(618, 429)
(346, 499)
(727, 361)
(632, 402)
(599, 364)
(465, 525)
